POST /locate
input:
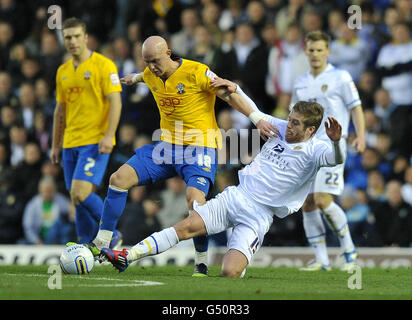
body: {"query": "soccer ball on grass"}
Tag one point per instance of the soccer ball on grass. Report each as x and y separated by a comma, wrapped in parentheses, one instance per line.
(76, 259)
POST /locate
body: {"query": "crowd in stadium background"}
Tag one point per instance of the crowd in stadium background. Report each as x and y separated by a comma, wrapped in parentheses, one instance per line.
(258, 44)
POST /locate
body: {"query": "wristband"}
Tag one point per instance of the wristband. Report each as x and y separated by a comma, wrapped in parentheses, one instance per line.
(134, 79)
(256, 116)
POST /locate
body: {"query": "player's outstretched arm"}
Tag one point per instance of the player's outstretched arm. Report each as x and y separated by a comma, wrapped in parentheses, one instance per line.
(131, 79)
(235, 97)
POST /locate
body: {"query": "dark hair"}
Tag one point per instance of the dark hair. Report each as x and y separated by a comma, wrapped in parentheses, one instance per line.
(73, 23)
(312, 113)
(317, 36)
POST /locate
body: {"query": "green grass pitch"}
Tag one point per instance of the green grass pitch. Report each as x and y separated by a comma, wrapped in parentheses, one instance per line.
(176, 283)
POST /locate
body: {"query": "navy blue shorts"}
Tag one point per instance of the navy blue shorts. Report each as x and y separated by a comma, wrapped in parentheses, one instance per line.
(196, 165)
(84, 163)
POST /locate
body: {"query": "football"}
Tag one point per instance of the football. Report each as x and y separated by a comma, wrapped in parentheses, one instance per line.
(76, 259)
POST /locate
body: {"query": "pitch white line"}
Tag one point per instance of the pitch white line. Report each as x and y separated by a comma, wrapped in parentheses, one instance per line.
(127, 282)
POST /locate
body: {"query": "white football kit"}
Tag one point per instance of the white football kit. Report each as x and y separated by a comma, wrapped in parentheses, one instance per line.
(276, 182)
(336, 92)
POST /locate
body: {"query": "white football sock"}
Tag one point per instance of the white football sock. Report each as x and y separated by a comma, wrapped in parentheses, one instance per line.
(338, 222)
(315, 233)
(103, 239)
(156, 243)
(200, 257)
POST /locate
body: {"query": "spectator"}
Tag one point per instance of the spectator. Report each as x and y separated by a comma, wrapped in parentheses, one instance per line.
(404, 8)
(399, 51)
(28, 106)
(11, 211)
(29, 72)
(210, 15)
(256, 14)
(8, 118)
(311, 21)
(27, 174)
(44, 99)
(287, 60)
(41, 132)
(376, 186)
(18, 139)
(139, 217)
(63, 230)
(360, 219)
(406, 189)
(252, 66)
(42, 211)
(335, 21)
(383, 108)
(393, 217)
(18, 54)
(357, 177)
(292, 12)
(233, 15)
(124, 146)
(174, 205)
(49, 169)
(50, 57)
(349, 52)
(122, 58)
(366, 88)
(6, 37)
(7, 96)
(183, 41)
(4, 158)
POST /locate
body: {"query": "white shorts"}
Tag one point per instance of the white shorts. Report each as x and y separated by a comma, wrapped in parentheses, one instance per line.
(234, 208)
(330, 179)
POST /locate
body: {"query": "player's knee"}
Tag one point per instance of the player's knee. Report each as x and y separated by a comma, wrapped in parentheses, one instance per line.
(309, 204)
(119, 180)
(323, 201)
(78, 195)
(231, 273)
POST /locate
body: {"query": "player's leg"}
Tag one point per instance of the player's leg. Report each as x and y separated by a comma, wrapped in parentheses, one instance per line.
(140, 169)
(79, 190)
(201, 243)
(157, 242)
(199, 176)
(209, 218)
(119, 184)
(315, 234)
(242, 245)
(234, 263)
(338, 222)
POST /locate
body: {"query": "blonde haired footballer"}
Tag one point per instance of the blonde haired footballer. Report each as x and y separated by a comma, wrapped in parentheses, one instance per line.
(275, 183)
(85, 121)
(185, 99)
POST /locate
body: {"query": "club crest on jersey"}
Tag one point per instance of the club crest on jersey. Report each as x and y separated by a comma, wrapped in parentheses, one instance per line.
(324, 88)
(278, 148)
(87, 75)
(297, 148)
(180, 88)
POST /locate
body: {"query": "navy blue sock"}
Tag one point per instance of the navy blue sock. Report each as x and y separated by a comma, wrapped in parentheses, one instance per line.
(113, 208)
(201, 243)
